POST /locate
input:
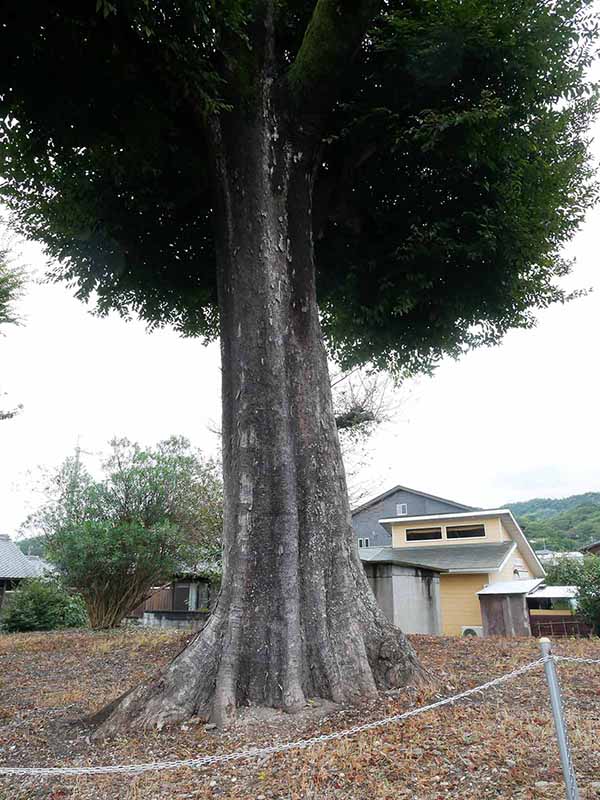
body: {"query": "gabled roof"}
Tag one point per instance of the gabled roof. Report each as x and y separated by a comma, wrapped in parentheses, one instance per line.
(444, 558)
(13, 562)
(505, 514)
(412, 491)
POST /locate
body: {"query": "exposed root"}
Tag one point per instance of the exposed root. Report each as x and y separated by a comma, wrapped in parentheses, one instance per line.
(225, 667)
(192, 686)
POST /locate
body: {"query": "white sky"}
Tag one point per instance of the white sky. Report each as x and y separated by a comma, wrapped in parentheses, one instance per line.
(507, 423)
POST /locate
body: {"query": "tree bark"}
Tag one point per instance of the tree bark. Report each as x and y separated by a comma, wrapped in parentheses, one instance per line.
(295, 617)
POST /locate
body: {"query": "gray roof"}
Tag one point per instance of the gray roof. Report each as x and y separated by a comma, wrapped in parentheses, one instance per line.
(522, 586)
(41, 566)
(443, 558)
(400, 488)
(14, 563)
(393, 555)
(555, 592)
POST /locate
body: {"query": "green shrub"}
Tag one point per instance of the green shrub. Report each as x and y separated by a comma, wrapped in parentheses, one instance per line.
(586, 577)
(43, 605)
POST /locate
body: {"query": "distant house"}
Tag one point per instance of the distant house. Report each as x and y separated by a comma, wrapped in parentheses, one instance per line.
(184, 602)
(397, 502)
(453, 555)
(552, 557)
(592, 549)
(15, 565)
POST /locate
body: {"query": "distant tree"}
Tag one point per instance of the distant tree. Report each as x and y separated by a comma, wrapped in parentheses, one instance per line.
(154, 512)
(11, 286)
(586, 577)
(396, 179)
(4, 414)
(33, 546)
(363, 400)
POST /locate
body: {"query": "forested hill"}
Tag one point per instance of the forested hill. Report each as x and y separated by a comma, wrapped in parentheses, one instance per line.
(567, 523)
(542, 507)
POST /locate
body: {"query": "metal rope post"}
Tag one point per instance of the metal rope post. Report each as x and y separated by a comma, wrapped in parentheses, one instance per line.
(559, 720)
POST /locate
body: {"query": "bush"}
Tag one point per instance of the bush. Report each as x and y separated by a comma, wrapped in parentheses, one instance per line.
(154, 513)
(43, 605)
(586, 577)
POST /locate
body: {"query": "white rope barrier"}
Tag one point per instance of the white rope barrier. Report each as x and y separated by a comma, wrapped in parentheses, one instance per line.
(257, 752)
(577, 660)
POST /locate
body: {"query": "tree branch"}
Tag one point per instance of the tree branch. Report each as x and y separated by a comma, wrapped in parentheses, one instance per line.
(332, 36)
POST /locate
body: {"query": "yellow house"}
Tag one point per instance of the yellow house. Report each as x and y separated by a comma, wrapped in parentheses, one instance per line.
(470, 550)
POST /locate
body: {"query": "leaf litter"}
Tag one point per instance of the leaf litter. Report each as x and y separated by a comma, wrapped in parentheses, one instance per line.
(499, 744)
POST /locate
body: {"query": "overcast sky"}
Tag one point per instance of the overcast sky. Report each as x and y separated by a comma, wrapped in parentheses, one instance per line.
(512, 422)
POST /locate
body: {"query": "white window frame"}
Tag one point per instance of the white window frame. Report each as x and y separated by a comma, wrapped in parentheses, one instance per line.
(366, 542)
(360, 542)
(401, 509)
(466, 526)
(428, 529)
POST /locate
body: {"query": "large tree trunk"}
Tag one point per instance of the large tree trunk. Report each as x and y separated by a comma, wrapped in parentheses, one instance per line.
(295, 617)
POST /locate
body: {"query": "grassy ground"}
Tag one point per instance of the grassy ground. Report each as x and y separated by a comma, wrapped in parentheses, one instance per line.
(498, 745)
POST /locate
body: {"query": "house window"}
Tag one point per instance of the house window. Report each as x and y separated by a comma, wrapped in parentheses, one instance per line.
(465, 531)
(360, 542)
(423, 534)
(401, 509)
(366, 542)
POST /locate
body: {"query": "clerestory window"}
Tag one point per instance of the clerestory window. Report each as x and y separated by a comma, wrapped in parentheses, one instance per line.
(465, 531)
(423, 534)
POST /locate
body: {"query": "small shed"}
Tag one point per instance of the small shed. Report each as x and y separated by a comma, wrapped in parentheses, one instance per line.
(504, 609)
(530, 608)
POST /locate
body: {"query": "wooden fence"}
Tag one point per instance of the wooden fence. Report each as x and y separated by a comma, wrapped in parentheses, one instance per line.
(558, 626)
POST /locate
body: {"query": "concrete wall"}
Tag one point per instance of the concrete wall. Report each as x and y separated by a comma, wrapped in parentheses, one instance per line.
(408, 596)
(175, 619)
(366, 522)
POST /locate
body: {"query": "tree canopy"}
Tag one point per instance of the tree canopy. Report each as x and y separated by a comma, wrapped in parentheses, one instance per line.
(454, 166)
(399, 177)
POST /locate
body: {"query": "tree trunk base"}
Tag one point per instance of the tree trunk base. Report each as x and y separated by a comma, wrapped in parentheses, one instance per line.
(192, 687)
